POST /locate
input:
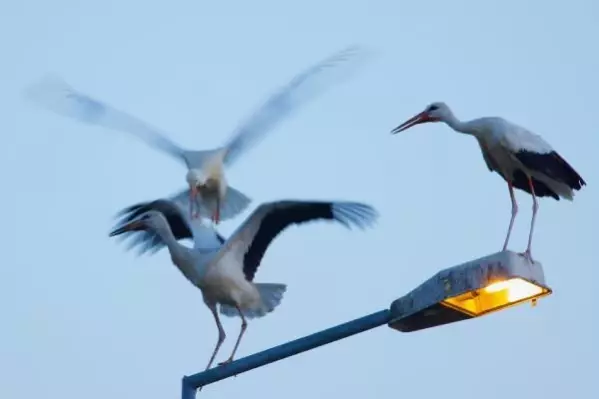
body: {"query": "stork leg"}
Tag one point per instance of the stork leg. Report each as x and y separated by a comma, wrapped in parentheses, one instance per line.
(190, 204)
(244, 325)
(193, 198)
(535, 207)
(216, 214)
(514, 213)
(221, 337)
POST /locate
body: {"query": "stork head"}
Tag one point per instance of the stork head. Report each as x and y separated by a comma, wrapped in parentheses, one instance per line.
(435, 112)
(152, 220)
(195, 177)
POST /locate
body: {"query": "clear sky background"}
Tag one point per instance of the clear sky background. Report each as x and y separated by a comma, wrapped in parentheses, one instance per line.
(83, 317)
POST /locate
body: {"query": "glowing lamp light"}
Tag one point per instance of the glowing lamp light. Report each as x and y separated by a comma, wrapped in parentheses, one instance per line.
(470, 290)
(496, 296)
(514, 289)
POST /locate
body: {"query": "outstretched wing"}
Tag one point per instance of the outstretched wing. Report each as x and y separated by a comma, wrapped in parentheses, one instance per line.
(232, 205)
(54, 94)
(253, 237)
(304, 87)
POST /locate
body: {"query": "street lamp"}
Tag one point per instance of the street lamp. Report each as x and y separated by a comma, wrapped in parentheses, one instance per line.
(466, 291)
(470, 290)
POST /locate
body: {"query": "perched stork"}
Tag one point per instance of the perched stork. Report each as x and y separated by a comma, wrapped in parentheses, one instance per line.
(522, 158)
(224, 270)
(208, 188)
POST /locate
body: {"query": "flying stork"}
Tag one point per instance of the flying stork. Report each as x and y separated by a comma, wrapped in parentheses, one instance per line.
(222, 269)
(522, 158)
(206, 178)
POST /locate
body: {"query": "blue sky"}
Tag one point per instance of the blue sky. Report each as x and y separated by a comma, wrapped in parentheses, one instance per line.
(82, 315)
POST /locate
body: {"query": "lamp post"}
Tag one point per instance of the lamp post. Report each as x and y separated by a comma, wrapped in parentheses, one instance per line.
(462, 292)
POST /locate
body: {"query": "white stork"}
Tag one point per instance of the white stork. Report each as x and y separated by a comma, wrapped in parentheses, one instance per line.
(208, 188)
(522, 158)
(222, 269)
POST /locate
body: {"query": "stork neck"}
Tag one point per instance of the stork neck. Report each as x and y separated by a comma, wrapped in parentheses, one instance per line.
(458, 125)
(171, 242)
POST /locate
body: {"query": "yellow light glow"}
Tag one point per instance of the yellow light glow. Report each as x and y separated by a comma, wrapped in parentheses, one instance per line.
(496, 296)
(517, 289)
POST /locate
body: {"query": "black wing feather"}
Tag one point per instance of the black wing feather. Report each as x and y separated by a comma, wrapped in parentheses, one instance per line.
(148, 241)
(285, 213)
(520, 181)
(552, 165)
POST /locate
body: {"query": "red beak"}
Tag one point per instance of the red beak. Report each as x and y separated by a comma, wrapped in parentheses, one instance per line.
(416, 120)
(133, 226)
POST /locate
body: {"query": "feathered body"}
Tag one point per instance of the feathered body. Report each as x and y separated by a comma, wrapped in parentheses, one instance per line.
(516, 153)
(522, 158)
(222, 269)
(208, 187)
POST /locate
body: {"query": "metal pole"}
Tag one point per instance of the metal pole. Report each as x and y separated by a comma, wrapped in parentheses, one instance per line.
(192, 382)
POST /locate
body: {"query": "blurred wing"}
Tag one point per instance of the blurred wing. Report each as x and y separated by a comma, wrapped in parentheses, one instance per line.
(180, 225)
(147, 240)
(251, 240)
(203, 159)
(204, 236)
(234, 203)
(55, 95)
(299, 91)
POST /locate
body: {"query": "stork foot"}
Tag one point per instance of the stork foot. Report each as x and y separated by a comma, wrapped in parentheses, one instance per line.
(229, 360)
(216, 217)
(527, 255)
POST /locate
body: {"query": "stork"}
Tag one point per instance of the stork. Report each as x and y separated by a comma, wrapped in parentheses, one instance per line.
(222, 269)
(206, 178)
(522, 158)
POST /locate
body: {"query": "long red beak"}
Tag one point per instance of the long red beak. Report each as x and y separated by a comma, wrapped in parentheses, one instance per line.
(416, 120)
(133, 226)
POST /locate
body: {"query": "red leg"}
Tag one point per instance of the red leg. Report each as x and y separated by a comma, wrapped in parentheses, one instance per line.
(216, 214)
(221, 337)
(191, 203)
(244, 325)
(535, 207)
(514, 212)
(193, 199)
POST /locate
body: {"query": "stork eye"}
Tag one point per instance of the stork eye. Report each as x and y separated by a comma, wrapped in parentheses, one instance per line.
(433, 108)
